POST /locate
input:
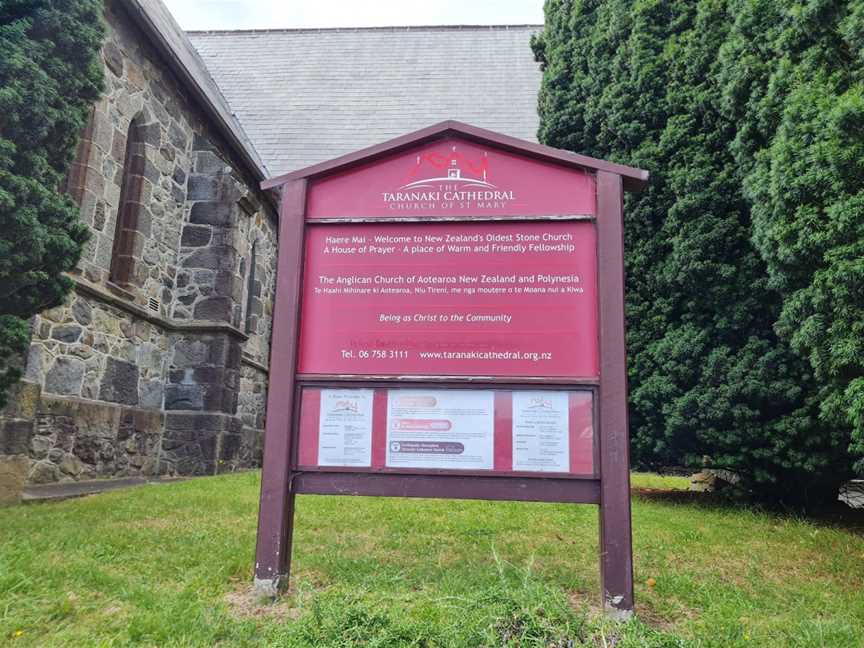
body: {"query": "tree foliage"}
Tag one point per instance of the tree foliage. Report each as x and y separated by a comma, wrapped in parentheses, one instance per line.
(726, 325)
(50, 74)
(797, 93)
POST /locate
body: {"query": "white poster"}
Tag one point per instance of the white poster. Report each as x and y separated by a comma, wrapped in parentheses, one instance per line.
(345, 427)
(541, 431)
(440, 428)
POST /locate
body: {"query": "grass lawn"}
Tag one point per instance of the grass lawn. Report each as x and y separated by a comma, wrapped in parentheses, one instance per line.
(170, 565)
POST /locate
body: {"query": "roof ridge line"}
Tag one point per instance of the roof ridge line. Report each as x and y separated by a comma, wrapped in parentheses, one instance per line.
(458, 27)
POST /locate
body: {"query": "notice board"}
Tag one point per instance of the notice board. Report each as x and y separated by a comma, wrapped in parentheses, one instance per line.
(449, 323)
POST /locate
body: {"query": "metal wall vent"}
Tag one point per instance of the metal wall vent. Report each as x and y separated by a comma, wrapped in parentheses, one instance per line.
(154, 304)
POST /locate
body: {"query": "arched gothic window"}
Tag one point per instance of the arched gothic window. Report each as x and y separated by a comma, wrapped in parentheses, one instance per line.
(128, 229)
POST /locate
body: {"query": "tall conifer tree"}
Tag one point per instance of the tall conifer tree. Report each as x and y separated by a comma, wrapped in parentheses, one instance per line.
(712, 382)
(50, 74)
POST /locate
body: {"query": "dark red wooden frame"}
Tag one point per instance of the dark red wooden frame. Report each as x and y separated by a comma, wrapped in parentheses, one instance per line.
(611, 486)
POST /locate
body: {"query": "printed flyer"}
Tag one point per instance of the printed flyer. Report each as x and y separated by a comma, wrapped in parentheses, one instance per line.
(541, 426)
(345, 427)
(445, 429)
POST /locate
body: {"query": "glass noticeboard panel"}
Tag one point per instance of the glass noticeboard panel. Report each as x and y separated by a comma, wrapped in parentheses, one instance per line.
(484, 431)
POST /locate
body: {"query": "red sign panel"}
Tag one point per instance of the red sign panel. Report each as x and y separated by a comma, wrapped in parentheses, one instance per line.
(490, 299)
(453, 177)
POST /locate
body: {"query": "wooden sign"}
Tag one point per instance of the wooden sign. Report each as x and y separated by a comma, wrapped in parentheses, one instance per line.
(449, 322)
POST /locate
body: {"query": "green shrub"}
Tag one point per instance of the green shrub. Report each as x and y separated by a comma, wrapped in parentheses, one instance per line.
(713, 377)
(792, 80)
(50, 74)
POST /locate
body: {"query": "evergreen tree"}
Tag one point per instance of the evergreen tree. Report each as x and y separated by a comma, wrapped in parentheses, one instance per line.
(636, 81)
(793, 80)
(50, 74)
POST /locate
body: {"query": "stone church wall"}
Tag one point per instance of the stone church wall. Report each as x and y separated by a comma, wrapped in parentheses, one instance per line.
(166, 373)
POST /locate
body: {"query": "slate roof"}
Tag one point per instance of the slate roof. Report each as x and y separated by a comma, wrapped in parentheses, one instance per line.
(308, 95)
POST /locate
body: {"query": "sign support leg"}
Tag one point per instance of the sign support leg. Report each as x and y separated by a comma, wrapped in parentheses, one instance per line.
(276, 511)
(616, 557)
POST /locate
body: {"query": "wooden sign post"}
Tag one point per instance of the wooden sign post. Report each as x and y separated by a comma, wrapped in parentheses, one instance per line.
(450, 323)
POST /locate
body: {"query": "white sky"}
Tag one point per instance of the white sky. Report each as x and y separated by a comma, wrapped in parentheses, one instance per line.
(272, 14)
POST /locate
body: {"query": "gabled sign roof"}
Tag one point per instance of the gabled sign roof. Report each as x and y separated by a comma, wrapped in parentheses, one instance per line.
(633, 179)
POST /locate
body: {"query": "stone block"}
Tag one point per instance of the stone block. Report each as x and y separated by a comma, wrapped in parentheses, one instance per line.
(148, 423)
(104, 250)
(190, 352)
(179, 176)
(218, 214)
(35, 364)
(113, 58)
(118, 145)
(235, 354)
(56, 314)
(195, 236)
(212, 258)
(185, 426)
(184, 397)
(13, 476)
(150, 394)
(228, 284)
(178, 194)
(82, 311)
(226, 236)
(167, 153)
(231, 448)
(201, 143)
(39, 446)
(203, 188)
(232, 379)
(203, 277)
(95, 419)
(120, 382)
(43, 472)
(215, 309)
(209, 450)
(209, 375)
(149, 356)
(65, 376)
(66, 333)
(172, 107)
(208, 163)
(150, 134)
(135, 75)
(151, 172)
(218, 398)
(178, 137)
(231, 191)
(23, 401)
(15, 436)
(256, 307)
(143, 225)
(181, 376)
(94, 451)
(71, 465)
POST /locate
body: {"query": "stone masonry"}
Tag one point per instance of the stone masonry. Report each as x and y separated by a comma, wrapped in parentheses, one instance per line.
(165, 371)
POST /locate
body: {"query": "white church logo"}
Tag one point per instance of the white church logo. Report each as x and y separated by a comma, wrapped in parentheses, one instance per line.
(454, 171)
(454, 182)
